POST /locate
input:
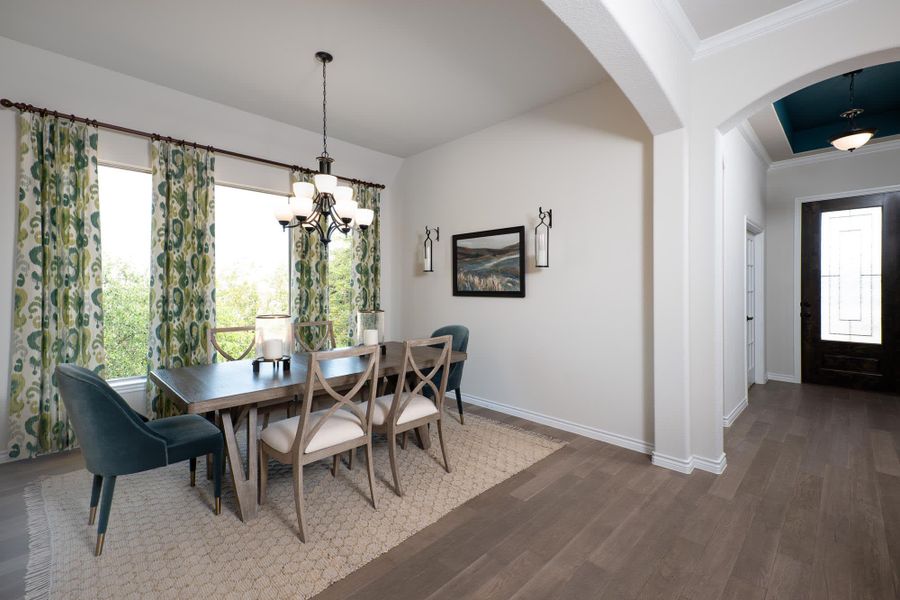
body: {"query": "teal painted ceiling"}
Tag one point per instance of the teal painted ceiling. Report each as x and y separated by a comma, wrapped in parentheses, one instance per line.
(811, 115)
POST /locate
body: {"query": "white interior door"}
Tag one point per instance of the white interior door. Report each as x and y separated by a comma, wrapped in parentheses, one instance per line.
(750, 304)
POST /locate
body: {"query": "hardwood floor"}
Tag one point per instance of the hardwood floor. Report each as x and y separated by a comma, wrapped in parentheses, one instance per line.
(809, 507)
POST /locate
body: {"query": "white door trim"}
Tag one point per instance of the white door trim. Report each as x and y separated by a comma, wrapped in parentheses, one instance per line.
(798, 204)
(759, 318)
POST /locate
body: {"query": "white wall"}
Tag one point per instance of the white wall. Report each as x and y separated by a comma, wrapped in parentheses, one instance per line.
(578, 347)
(745, 198)
(865, 169)
(45, 79)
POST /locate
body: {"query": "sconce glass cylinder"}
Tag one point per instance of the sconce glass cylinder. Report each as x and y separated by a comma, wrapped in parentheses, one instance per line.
(274, 338)
(428, 251)
(542, 238)
(370, 327)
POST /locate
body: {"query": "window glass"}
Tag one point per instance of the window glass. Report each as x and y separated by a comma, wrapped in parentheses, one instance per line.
(851, 275)
(339, 258)
(125, 198)
(252, 262)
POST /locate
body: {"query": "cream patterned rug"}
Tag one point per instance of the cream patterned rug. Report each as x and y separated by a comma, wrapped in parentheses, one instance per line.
(163, 540)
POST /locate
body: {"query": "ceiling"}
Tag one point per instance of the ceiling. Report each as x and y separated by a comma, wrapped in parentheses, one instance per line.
(711, 17)
(408, 74)
(802, 122)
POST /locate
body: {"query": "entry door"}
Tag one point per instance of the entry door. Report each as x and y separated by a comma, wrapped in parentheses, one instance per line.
(850, 292)
(750, 304)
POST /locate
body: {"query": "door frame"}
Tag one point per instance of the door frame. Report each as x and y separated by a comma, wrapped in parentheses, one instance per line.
(798, 218)
(759, 317)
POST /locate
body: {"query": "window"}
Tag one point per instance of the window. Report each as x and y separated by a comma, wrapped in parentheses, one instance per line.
(125, 198)
(851, 275)
(252, 262)
(339, 259)
(252, 267)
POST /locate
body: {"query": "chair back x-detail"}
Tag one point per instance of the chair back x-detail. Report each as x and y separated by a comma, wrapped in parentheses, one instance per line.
(213, 339)
(314, 435)
(115, 440)
(320, 332)
(408, 407)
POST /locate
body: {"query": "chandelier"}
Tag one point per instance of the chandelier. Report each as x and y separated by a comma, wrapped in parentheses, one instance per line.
(855, 137)
(323, 206)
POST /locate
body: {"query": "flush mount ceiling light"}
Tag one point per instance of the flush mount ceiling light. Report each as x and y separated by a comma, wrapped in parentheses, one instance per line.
(324, 206)
(855, 137)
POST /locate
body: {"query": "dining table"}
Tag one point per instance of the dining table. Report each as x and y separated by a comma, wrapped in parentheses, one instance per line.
(234, 392)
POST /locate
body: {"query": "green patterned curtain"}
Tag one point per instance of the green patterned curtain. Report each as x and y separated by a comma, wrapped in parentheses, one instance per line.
(57, 316)
(182, 263)
(365, 269)
(309, 273)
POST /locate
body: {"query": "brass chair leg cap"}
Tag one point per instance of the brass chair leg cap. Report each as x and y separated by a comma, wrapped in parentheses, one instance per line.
(93, 516)
(218, 509)
(193, 478)
(99, 549)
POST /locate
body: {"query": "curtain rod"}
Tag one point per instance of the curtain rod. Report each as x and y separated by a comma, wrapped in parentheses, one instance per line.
(22, 107)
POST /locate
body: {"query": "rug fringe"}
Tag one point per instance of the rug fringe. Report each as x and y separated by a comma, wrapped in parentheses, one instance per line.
(37, 573)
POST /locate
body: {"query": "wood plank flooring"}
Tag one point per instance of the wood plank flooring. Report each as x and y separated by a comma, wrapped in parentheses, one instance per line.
(809, 507)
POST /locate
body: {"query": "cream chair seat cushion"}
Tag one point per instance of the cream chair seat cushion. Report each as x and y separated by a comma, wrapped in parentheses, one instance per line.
(340, 427)
(418, 407)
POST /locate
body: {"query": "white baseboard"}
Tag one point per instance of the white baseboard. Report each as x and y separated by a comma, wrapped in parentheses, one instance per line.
(4, 456)
(709, 465)
(687, 465)
(682, 465)
(783, 378)
(587, 431)
(731, 417)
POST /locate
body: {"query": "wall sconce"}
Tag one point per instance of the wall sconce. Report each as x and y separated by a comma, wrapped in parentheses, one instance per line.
(542, 238)
(428, 263)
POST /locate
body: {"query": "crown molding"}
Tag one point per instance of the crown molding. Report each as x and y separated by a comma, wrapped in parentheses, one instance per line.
(764, 25)
(834, 155)
(680, 24)
(755, 144)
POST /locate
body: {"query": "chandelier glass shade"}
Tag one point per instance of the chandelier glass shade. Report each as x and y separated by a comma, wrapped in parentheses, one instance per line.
(322, 206)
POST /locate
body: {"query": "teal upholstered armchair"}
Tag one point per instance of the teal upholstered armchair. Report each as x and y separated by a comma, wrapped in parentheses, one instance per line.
(115, 440)
(454, 381)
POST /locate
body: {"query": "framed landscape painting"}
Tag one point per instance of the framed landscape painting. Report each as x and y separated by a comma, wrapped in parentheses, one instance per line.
(490, 263)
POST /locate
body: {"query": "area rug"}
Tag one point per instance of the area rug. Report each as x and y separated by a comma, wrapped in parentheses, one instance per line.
(163, 540)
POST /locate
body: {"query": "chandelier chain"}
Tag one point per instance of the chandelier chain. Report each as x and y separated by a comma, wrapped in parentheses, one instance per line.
(324, 114)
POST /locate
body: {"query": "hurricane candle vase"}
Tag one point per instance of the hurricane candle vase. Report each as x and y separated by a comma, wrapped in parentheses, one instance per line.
(370, 327)
(273, 341)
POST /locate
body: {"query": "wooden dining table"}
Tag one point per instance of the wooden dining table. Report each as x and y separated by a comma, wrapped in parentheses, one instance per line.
(237, 393)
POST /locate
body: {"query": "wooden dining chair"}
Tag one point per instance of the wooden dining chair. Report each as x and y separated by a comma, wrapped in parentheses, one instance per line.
(408, 407)
(314, 336)
(312, 436)
(214, 340)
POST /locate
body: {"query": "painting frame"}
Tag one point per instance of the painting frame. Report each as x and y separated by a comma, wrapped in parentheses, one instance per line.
(489, 233)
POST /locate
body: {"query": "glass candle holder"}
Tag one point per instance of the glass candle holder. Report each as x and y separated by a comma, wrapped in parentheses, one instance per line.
(368, 323)
(273, 336)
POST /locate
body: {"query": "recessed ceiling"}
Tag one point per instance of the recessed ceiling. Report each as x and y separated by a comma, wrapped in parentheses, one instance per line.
(711, 17)
(408, 74)
(811, 116)
(802, 122)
